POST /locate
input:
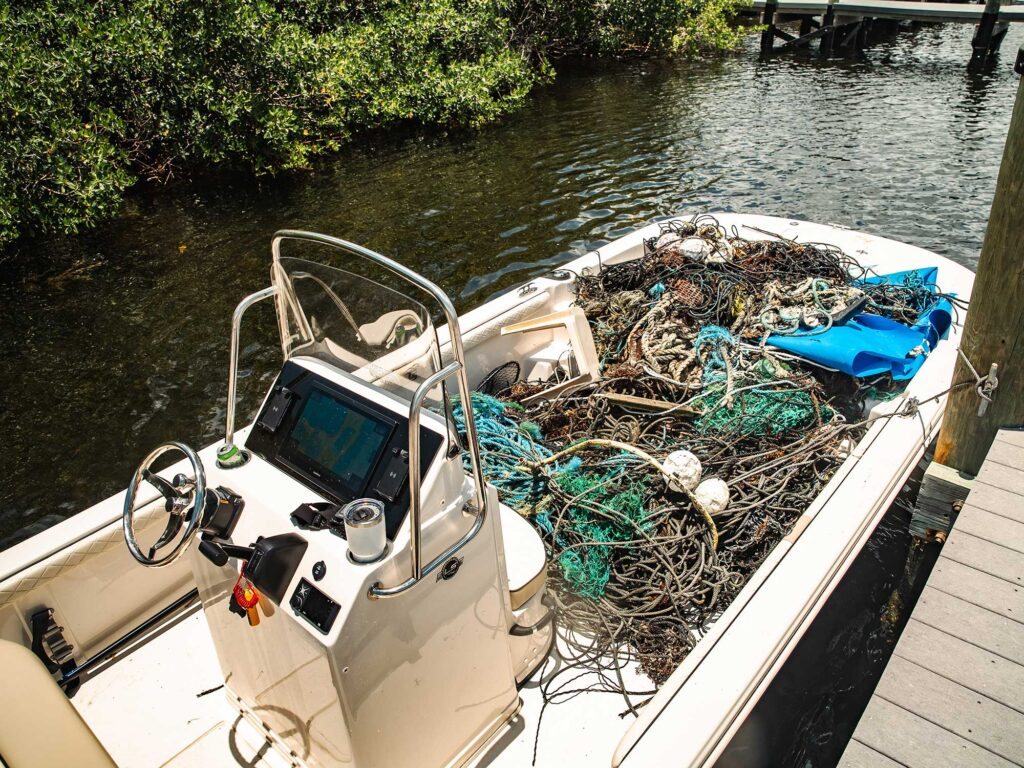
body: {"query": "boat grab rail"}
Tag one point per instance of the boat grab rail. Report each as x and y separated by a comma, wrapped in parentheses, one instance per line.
(378, 591)
(457, 368)
(236, 331)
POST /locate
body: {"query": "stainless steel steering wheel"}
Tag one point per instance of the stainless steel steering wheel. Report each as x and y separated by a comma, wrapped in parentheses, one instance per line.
(184, 499)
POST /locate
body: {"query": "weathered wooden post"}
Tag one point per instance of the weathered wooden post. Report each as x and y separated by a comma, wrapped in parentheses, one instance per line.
(828, 20)
(993, 335)
(862, 33)
(994, 331)
(985, 35)
(768, 19)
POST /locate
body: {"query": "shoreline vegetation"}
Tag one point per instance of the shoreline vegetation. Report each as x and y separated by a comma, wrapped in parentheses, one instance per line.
(97, 96)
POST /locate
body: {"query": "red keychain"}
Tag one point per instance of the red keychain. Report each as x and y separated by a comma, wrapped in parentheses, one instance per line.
(248, 598)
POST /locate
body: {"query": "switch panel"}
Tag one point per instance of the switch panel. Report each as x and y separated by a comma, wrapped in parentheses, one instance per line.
(314, 606)
(393, 478)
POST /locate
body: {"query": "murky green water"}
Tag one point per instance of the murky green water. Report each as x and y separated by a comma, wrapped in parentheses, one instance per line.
(117, 340)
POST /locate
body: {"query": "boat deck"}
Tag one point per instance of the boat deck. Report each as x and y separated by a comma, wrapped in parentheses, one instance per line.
(168, 695)
(163, 704)
(953, 691)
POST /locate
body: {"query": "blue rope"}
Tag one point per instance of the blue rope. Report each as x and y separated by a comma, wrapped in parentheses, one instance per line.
(506, 445)
(708, 346)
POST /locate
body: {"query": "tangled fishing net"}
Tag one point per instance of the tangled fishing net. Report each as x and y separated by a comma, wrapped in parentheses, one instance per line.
(642, 562)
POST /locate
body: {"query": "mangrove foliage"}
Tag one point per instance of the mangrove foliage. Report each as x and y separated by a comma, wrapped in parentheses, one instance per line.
(96, 95)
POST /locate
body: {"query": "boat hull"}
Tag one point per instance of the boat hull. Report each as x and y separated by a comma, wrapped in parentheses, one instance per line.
(81, 569)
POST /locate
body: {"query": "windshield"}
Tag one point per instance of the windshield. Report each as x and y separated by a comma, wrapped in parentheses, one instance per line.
(353, 322)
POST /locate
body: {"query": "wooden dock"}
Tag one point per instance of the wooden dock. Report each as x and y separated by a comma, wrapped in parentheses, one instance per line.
(845, 24)
(970, 13)
(953, 691)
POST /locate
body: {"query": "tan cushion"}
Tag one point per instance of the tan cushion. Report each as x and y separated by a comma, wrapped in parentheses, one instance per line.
(39, 727)
(525, 558)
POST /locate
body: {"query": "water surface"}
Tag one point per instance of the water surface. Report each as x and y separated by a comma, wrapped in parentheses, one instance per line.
(117, 340)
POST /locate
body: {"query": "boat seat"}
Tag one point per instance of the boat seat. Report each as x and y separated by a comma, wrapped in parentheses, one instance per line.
(525, 558)
(39, 727)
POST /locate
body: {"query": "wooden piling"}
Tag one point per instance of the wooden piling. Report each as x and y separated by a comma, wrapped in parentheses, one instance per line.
(982, 44)
(828, 20)
(994, 331)
(768, 19)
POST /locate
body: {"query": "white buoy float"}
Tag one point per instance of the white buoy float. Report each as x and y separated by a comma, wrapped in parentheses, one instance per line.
(682, 470)
(666, 240)
(713, 495)
(695, 248)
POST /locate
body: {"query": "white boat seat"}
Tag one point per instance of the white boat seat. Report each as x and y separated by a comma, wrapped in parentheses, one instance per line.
(525, 558)
(39, 727)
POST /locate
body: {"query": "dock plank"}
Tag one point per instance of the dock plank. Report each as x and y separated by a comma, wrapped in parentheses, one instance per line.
(970, 715)
(998, 500)
(953, 691)
(1001, 476)
(897, 9)
(860, 755)
(991, 526)
(984, 555)
(912, 741)
(887, 8)
(978, 587)
(971, 623)
(1007, 454)
(963, 663)
(1011, 436)
(795, 6)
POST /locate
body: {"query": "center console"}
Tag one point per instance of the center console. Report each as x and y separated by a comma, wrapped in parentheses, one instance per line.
(332, 675)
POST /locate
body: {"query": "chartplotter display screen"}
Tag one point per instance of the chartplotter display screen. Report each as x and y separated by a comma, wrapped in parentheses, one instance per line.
(340, 443)
(336, 441)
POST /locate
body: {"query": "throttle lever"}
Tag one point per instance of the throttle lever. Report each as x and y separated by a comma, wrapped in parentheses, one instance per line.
(218, 552)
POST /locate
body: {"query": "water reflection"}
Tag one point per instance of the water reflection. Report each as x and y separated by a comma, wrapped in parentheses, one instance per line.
(116, 340)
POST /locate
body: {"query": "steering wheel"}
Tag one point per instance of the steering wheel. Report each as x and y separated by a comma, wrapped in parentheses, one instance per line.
(184, 502)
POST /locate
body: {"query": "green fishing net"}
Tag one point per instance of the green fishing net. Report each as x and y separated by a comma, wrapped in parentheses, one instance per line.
(603, 511)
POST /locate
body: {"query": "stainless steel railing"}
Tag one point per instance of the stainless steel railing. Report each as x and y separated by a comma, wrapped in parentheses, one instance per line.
(457, 368)
(378, 591)
(227, 450)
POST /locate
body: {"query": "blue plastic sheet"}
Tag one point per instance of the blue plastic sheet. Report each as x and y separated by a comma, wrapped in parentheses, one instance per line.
(869, 345)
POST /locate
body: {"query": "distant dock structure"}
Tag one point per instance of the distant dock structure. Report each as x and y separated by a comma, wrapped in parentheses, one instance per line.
(836, 24)
(953, 691)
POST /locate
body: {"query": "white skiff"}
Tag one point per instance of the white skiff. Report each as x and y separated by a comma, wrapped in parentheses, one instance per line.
(422, 656)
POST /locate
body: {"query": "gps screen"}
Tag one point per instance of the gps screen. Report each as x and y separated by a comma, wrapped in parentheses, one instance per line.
(334, 439)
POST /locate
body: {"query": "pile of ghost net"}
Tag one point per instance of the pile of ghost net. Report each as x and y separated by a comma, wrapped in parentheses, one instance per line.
(660, 488)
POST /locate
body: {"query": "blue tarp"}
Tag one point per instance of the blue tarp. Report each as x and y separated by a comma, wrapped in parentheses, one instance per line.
(868, 345)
